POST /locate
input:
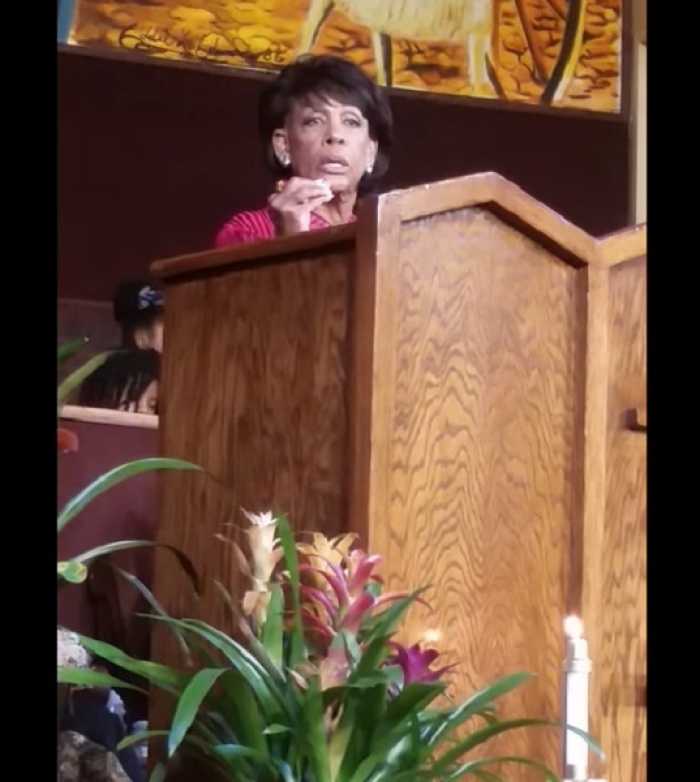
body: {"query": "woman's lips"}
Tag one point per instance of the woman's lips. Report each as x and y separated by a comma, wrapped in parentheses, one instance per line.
(334, 165)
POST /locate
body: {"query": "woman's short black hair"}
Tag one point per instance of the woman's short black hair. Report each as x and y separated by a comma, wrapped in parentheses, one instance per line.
(120, 380)
(330, 77)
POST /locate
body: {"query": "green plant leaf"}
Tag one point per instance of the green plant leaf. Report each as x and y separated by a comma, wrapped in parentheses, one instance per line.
(374, 588)
(339, 693)
(137, 738)
(114, 476)
(488, 715)
(159, 773)
(388, 749)
(230, 752)
(414, 697)
(188, 705)
(241, 710)
(269, 695)
(211, 725)
(72, 571)
(471, 766)
(207, 732)
(260, 653)
(70, 348)
(89, 678)
(228, 600)
(411, 752)
(314, 734)
(383, 764)
(484, 734)
(284, 533)
(370, 660)
(253, 643)
(397, 741)
(274, 730)
(168, 679)
(449, 720)
(234, 651)
(75, 378)
(360, 716)
(383, 625)
(592, 743)
(349, 643)
(285, 771)
(273, 629)
(124, 545)
(148, 596)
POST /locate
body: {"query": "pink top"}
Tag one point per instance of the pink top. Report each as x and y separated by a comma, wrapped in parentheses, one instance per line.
(252, 226)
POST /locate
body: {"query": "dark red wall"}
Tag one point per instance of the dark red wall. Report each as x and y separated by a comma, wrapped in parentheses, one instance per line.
(151, 159)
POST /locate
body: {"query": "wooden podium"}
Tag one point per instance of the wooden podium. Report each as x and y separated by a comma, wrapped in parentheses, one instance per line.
(459, 377)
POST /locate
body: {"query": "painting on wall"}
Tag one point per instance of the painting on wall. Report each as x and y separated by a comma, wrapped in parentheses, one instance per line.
(559, 53)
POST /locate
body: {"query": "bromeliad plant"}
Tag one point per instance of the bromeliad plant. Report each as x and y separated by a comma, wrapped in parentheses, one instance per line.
(314, 687)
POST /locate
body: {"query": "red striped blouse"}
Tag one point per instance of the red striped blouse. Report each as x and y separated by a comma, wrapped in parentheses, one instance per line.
(255, 225)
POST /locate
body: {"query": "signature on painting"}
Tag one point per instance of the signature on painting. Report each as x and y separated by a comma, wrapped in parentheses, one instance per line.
(159, 40)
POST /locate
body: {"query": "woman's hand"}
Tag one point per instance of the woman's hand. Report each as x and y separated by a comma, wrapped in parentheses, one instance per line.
(292, 206)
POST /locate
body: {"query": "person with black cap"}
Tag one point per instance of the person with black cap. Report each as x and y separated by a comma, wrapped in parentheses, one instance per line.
(138, 310)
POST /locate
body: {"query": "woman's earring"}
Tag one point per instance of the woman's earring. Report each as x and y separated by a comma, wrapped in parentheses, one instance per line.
(369, 168)
(284, 160)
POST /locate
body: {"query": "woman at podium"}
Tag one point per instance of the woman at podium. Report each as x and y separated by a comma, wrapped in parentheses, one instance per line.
(327, 132)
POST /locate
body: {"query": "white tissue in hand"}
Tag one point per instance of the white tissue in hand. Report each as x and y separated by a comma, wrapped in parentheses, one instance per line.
(322, 183)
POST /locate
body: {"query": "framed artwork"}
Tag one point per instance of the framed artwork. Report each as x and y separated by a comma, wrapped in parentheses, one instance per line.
(559, 53)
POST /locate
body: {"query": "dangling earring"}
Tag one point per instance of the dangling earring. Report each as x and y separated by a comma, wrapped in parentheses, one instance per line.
(284, 160)
(369, 168)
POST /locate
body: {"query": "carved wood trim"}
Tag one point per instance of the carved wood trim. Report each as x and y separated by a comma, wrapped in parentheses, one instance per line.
(595, 457)
(488, 189)
(326, 240)
(97, 415)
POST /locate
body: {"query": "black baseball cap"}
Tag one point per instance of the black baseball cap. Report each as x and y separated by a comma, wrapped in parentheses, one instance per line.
(137, 300)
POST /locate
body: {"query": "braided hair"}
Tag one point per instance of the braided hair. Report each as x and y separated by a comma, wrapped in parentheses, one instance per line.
(120, 382)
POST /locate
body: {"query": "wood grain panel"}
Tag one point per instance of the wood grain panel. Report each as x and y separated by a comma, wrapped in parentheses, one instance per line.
(261, 357)
(478, 399)
(622, 653)
(264, 362)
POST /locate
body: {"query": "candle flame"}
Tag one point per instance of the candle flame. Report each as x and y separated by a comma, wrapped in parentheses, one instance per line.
(573, 627)
(431, 636)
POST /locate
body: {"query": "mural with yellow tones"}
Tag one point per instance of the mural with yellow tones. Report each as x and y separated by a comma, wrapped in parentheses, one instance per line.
(562, 53)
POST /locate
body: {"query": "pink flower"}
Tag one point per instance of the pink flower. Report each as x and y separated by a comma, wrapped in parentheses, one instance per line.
(346, 600)
(415, 663)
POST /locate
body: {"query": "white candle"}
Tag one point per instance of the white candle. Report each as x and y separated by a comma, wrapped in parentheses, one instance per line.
(577, 668)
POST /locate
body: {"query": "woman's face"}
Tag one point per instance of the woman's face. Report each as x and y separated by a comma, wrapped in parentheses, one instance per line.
(327, 140)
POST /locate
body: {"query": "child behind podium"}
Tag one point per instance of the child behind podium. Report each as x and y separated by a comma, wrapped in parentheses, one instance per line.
(126, 381)
(138, 310)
